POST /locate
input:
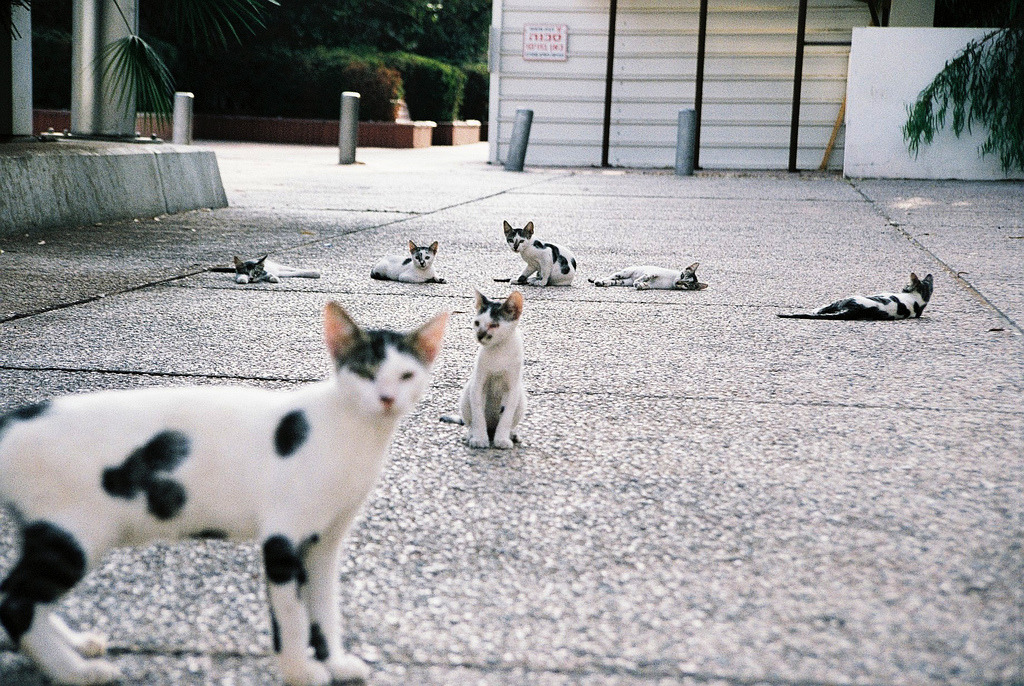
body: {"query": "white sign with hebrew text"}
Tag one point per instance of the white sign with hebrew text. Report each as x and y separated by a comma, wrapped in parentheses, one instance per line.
(545, 42)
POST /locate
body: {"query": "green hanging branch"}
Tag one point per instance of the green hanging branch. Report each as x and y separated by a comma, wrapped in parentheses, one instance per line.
(983, 84)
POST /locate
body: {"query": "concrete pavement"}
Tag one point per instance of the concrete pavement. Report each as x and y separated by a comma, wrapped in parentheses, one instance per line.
(705, 493)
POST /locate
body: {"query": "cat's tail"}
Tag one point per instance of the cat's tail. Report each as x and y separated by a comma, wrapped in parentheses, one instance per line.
(221, 269)
(449, 419)
(377, 275)
(814, 315)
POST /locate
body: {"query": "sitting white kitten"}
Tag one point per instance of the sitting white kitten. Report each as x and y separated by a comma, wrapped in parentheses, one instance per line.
(493, 400)
(645, 278)
(85, 473)
(547, 264)
(418, 268)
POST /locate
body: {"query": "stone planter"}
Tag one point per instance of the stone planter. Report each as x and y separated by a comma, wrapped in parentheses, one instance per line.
(457, 132)
(59, 120)
(372, 134)
(396, 134)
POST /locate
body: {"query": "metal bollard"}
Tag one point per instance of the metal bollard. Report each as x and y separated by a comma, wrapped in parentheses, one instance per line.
(181, 134)
(520, 138)
(348, 128)
(686, 140)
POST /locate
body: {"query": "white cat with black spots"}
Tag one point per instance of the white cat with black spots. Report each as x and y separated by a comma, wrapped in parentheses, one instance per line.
(547, 264)
(417, 267)
(907, 304)
(291, 470)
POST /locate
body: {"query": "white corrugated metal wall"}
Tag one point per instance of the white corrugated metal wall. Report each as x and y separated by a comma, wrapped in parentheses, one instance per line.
(748, 81)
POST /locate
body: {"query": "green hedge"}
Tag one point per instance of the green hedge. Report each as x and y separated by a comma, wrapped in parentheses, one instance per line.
(477, 99)
(291, 83)
(433, 89)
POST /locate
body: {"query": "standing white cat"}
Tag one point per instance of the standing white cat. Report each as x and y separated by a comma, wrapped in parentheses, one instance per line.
(494, 399)
(84, 473)
(547, 264)
(417, 268)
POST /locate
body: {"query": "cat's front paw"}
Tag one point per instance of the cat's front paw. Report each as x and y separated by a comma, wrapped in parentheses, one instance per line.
(89, 644)
(642, 286)
(478, 442)
(518, 279)
(273, 279)
(87, 673)
(348, 668)
(503, 443)
(241, 278)
(304, 672)
(536, 281)
(439, 280)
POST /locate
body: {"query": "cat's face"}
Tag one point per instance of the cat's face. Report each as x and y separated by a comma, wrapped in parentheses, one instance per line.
(922, 286)
(687, 280)
(384, 372)
(253, 269)
(423, 257)
(517, 238)
(495, 320)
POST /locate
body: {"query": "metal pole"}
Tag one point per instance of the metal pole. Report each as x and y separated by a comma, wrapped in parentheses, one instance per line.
(607, 129)
(348, 128)
(798, 75)
(698, 98)
(685, 134)
(520, 138)
(182, 132)
(96, 107)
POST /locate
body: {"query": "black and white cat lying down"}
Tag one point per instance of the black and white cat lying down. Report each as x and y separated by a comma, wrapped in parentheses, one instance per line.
(261, 269)
(908, 303)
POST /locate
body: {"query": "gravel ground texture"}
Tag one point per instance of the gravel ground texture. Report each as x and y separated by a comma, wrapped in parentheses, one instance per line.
(705, 494)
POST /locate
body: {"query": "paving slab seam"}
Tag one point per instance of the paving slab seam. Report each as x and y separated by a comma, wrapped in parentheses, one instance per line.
(534, 392)
(174, 375)
(829, 201)
(100, 296)
(787, 403)
(420, 215)
(950, 270)
(653, 671)
(196, 272)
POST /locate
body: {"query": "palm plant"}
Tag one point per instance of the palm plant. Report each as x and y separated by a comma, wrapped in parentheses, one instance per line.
(984, 83)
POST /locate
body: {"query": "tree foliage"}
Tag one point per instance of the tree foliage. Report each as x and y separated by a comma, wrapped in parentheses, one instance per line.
(983, 84)
(451, 30)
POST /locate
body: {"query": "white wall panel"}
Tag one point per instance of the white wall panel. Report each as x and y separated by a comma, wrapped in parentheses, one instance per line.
(747, 91)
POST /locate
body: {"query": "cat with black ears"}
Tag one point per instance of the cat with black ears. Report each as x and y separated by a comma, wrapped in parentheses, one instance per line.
(547, 264)
(82, 474)
(494, 399)
(418, 267)
(907, 304)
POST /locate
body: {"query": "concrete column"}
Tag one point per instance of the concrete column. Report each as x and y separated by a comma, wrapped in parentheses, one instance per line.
(348, 127)
(181, 133)
(15, 71)
(686, 139)
(96, 107)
